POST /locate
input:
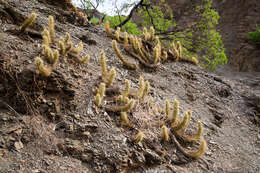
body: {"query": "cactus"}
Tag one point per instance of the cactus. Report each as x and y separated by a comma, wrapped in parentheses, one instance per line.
(46, 37)
(152, 32)
(102, 90)
(125, 108)
(164, 56)
(122, 58)
(117, 34)
(127, 88)
(184, 123)
(146, 89)
(28, 22)
(165, 133)
(44, 71)
(111, 77)
(175, 112)
(124, 118)
(126, 40)
(179, 48)
(193, 154)
(83, 60)
(103, 64)
(195, 137)
(62, 47)
(176, 52)
(78, 49)
(98, 100)
(51, 29)
(141, 87)
(167, 109)
(108, 29)
(156, 57)
(139, 137)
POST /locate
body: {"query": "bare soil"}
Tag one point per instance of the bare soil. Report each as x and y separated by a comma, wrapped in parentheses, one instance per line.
(52, 125)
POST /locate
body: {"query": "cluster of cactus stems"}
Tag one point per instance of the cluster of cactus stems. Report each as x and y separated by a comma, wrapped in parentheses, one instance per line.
(100, 94)
(52, 56)
(178, 128)
(28, 22)
(107, 76)
(147, 49)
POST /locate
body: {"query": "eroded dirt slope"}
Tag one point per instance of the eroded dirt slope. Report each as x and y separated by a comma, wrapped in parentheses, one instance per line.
(52, 125)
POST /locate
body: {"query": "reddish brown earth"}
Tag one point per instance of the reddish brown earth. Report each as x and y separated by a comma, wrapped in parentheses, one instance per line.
(52, 125)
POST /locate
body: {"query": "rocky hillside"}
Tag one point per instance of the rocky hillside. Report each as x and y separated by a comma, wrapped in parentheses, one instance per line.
(52, 124)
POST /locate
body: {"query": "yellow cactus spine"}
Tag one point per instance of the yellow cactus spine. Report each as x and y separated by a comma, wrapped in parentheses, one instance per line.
(193, 154)
(125, 108)
(112, 76)
(107, 27)
(179, 48)
(195, 137)
(141, 87)
(165, 133)
(201, 150)
(29, 21)
(175, 113)
(164, 56)
(126, 40)
(102, 90)
(103, 64)
(156, 57)
(121, 57)
(117, 34)
(146, 89)
(124, 118)
(167, 109)
(55, 59)
(67, 38)
(78, 49)
(84, 59)
(127, 88)
(176, 52)
(146, 34)
(98, 100)
(68, 47)
(62, 48)
(51, 29)
(183, 124)
(152, 32)
(139, 137)
(195, 60)
(44, 71)
(46, 37)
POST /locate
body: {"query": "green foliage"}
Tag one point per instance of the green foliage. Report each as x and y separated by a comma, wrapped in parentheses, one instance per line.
(160, 16)
(255, 36)
(130, 27)
(202, 39)
(94, 20)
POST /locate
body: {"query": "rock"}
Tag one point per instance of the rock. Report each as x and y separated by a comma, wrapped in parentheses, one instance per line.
(18, 145)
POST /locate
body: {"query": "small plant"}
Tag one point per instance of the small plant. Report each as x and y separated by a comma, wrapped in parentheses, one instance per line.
(125, 108)
(125, 119)
(165, 133)
(28, 22)
(255, 36)
(51, 29)
(139, 137)
(122, 58)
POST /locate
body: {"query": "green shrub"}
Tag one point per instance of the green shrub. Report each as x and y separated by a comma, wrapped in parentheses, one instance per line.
(255, 36)
(130, 27)
(94, 20)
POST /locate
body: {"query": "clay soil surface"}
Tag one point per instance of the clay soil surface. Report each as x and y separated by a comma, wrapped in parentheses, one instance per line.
(52, 125)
